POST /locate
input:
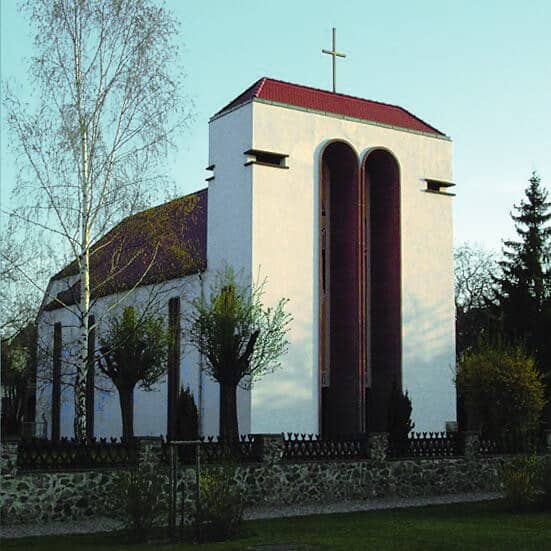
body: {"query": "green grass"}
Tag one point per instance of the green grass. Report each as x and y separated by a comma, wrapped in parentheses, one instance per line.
(461, 526)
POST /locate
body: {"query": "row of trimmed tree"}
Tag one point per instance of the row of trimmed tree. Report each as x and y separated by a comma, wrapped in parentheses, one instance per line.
(239, 338)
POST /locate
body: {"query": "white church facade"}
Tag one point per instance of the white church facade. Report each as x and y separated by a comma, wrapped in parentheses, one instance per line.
(343, 205)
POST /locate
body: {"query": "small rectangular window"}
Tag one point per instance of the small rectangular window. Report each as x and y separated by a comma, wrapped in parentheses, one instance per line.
(438, 186)
(266, 158)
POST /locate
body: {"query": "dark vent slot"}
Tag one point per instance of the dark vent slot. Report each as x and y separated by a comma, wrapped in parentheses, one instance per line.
(266, 158)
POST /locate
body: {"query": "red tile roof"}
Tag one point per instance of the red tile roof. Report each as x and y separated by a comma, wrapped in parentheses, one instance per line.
(158, 244)
(329, 102)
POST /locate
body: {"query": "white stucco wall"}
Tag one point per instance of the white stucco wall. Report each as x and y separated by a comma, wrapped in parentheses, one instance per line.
(285, 249)
(229, 235)
(150, 408)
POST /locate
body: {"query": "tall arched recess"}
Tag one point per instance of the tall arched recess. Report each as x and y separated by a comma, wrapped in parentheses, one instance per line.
(342, 405)
(382, 273)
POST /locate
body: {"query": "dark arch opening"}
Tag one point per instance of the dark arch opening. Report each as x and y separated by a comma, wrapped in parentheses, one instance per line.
(339, 237)
(382, 259)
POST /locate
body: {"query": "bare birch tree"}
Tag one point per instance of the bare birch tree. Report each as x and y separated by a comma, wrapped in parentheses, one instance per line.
(91, 152)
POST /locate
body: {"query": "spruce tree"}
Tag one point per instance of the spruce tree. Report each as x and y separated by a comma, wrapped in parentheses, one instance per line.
(523, 290)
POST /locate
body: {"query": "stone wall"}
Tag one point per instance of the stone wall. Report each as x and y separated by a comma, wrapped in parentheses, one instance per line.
(42, 497)
(45, 496)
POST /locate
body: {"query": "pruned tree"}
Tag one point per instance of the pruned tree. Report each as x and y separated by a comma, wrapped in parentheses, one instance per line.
(109, 105)
(240, 339)
(133, 353)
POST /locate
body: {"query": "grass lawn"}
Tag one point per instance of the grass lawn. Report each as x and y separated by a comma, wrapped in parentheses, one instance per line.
(486, 525)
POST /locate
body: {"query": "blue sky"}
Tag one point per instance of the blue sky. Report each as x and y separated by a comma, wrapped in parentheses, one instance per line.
(479, 71)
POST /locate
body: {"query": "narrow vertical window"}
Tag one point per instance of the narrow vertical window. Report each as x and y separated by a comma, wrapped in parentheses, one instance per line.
(173, 364)
(90, 379)
(56, 383)
(339, 293)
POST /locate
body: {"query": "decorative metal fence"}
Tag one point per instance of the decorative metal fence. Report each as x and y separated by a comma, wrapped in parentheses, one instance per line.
(308, 447)
(426, 445)
(215, 450)
(511, 442)
(65, 454)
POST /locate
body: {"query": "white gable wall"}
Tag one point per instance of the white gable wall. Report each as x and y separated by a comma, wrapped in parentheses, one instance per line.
(285, 248)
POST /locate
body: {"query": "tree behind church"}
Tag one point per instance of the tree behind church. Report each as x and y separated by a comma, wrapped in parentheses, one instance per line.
(133, 353)
(18, 379)
(240, 339)
(523, 290)
(474, 271)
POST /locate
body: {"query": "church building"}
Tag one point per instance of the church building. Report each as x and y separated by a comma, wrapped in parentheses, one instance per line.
(343, 204)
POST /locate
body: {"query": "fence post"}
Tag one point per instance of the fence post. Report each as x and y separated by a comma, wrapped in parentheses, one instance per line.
(471, 443)
(268, 447)
(377, 446)
(149, 450)
(8, 458)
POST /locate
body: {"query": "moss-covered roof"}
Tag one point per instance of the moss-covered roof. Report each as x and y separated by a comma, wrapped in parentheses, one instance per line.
(156, 245)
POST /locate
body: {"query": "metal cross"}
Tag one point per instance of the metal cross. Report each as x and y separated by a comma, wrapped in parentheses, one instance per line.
(334, 54)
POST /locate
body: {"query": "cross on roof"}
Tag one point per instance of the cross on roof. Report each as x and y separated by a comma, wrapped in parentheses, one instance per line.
(334, 54)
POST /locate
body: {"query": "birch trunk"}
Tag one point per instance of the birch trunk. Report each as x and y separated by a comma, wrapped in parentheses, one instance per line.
(84, 271)
(82, 367)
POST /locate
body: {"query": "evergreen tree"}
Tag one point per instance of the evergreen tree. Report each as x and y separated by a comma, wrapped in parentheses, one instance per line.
(399, 420)
(187, 417)
(523, 290)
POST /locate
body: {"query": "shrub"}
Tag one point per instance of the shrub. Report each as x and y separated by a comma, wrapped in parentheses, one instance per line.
(220, 515)
(186, 416)
(519, 480)
(141, 498)
(399, 420)
(503, 390)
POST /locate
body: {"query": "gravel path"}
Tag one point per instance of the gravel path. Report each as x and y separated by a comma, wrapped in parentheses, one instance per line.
(104, 524)
(88, 526)
(364, 505)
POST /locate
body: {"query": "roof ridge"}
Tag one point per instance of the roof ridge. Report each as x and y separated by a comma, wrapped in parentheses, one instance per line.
(203, 190)
(236, 101)
(328, 92)
(260, 90)
(395, 106)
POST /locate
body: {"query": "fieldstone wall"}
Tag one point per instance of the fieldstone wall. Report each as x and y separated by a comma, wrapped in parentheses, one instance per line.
(8, 459)
(44, 496)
